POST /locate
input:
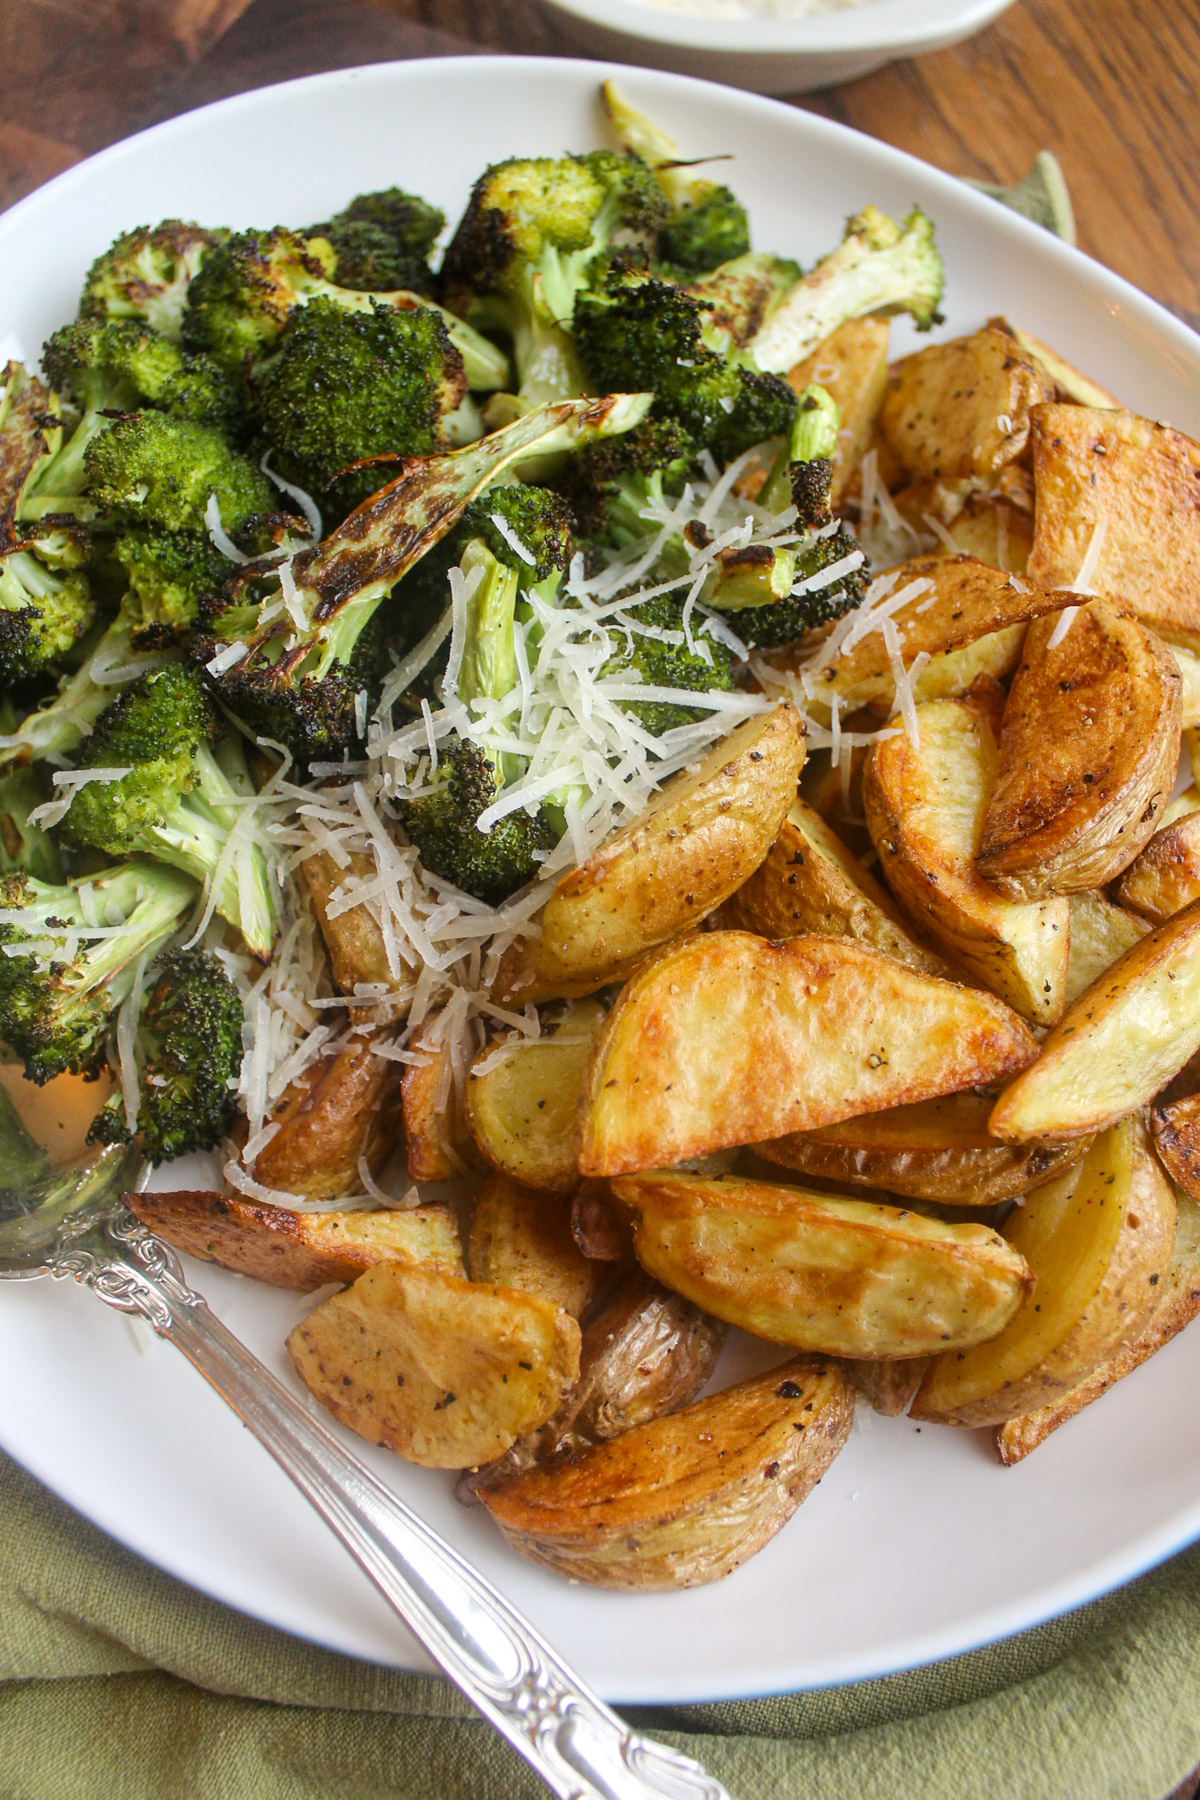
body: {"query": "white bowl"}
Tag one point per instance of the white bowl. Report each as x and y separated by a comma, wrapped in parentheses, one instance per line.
(909, 1550)
(772, 56)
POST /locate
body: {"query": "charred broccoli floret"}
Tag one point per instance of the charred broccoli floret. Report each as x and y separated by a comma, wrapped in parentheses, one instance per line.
(649, 334)
(536, 534)
(189, 1048)
(608, 486)
(43, 615)
(536, 232)
(344, 386)
(180, 798)
(122, 363)
(248, 290)
(490, 865)
(657, 653)
(383, 241)
(707, 224)
(740, 296)
(147, 469)
(65, 969)
(146, 274)
(64, 720)
(171, 574)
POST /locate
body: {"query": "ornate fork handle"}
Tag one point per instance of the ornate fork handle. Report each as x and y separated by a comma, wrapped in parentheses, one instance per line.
(576, 1744)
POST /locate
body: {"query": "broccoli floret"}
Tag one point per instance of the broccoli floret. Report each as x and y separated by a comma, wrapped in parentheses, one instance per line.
(879, 267)
(178, 802)
(767, 627)
(146, 274)
(57, 1002)
(608, 486)
(659, 655)
(150, 470)
(346, 386)
(24, 845)
(248, 290)
(705, 231)
(189, 1046)
(30, 430)
(60, 724)
(649, 334)
(302, 686)
(383, 241)
(43, 615)
(170, 574)
(536, 232)
(538, 520)
(490, 865)
(122, 363)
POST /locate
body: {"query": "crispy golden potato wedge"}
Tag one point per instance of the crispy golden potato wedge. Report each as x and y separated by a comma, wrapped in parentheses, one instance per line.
(1166, 876)
(888, 1387)
(1099, 1243)
(1117, 1046)
(925, 809)
(1101, 933)
(685, 1499)
(353, 937)
(344, 1108)
(937, 1150)
(961, 408)
(1135, 481)
(694, 846)
(810, 881)
(645, 1353)
(428, 1105)
(852, 365)
(522, 1239)
(1175, 1127)
(446, 1373)
(1177, 1307)
(732, 1040)
(955, 621)
(1088, 753)
(1069, 382)
(824, 1272)
(298, 1250)
(521, 1109)
(994, 532)
(834, 790)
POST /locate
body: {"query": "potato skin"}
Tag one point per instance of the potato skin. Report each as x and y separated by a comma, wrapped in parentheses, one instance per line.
(962, 408)
(1088, 753)
(1166, 876)
(343, 1107)
(686, 1499)
(427, 1103)
(824, 1272)
(1175, 1128)
(353, 938)
(731, 1040)
(296, 1250)
(446, 1373)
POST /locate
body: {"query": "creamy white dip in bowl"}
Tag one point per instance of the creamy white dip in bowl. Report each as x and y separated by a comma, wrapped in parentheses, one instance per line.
(769, 49)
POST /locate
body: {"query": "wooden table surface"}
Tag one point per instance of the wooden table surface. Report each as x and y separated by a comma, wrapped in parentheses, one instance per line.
(1111, 86)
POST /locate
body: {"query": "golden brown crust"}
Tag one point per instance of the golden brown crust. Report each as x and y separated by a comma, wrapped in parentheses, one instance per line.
(852, 365)
(1175, 1128)
(962, 408)
(522, 1239)
(1166, 876)
(344, 1107)
(353, 938)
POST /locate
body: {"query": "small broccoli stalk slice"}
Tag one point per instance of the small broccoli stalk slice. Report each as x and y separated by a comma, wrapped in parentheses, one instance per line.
(24, 845)
(383, 241)
(708, 225)
(879, 267)
(344, 387)
(242, 300)
(146, 274)
(283, 658)
(802, 474)
(175, 800)
(189, 1050)
(535, 233)
(147, 469)
(43, 615)
(62, 974)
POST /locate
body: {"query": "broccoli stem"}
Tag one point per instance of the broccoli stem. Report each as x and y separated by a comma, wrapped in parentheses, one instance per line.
(814, 435)
(63, 722)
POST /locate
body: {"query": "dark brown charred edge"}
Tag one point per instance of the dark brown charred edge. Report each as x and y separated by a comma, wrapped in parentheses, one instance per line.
(22, 444)
(750, 556)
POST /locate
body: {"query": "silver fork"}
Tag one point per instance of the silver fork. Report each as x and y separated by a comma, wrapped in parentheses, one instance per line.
(72, 1224)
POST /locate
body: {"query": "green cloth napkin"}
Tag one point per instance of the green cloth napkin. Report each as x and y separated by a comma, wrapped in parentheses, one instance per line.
(119, 1683)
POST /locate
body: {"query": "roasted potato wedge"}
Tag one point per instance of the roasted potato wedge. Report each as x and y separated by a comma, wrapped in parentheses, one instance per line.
(961, 408)
(852, 365)
(1099, 1243)
(446, 1373)
(824, 1272)
(888, 1387)
(1166, 876)
(521, 1109)
(1118, 1046)
(1100, 934)
(353, 935)
(966, 621)
(937, 1150)
(1178, 1305)
(694, 846)
(1110, 471)
(994, 532)
(1088, 753)
(925, 809)
(1175, 1127)
(344, 1108)
(298, 1250)
(810, 881)
(732, 1040)
(522, 1239)
(428, 1105)
(1069, 382)
(685, 1499)
(1188, 664)
(599, 1226)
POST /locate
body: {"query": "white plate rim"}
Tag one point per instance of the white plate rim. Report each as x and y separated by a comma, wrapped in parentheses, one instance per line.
(894, 27)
